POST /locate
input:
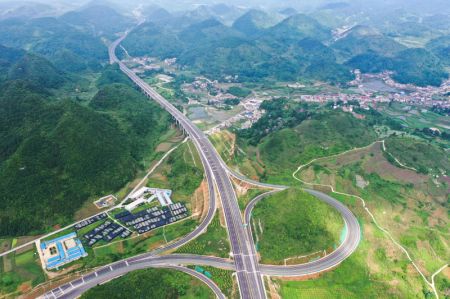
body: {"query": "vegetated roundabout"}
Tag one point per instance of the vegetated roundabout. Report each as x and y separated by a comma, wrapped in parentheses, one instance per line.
(103, 274)
(346, 248)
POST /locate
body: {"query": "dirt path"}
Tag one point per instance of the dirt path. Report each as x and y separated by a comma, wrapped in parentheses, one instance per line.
(430, 283)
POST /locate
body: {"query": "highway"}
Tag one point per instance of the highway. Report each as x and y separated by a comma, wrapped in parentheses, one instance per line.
(244, 258)
(102, 275)
(348, 246)
(243, 250)
(108, 272)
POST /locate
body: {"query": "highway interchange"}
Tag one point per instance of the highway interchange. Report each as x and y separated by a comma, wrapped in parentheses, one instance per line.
(244, 260)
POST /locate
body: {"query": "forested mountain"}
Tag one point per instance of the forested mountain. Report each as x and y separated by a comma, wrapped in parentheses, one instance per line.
(55, 153)
(296, 48)
(300, 26)
(59, 42)
(441, 48)
(254, 22)
(282, 52)
(19, 65)
(98, 20)
(363, 39)
(416, 66)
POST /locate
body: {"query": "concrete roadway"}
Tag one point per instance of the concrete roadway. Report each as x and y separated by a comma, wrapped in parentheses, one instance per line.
(243, 250)
(102, 275)
(106, 273)
(244, 255)
(348, 246)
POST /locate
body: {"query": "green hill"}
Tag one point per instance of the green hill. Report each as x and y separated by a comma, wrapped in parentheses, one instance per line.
(155, 40)
(67, 47)
(370, 62)
(207, 31)
(323, 134)
(98, 20)
(302, 225)
(300, 26)
(361, 40)
(419, 67)
(38, 71)
(57, 154)
(424, 157)
(8, 57)
(416, 66)
(253, 22)
(290, 50)
(441, 48)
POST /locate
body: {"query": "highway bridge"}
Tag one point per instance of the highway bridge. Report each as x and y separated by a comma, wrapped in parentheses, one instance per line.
(244, 259)
(243, 250)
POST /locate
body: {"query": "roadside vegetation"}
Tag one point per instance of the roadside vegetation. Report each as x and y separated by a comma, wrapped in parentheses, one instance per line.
(223, 278)
(152, 283)
(213, 242)
(182, 172)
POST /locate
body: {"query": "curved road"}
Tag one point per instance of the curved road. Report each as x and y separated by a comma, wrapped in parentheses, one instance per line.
(106, 273)
(245, 263)
(348, 246)
(243, 250)
(77, 287)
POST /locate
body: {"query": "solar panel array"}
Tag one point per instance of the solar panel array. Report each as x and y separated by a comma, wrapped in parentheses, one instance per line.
(107, 231)
(152, 218)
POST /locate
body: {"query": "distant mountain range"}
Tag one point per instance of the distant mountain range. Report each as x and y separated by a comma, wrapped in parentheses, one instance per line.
(260, 45)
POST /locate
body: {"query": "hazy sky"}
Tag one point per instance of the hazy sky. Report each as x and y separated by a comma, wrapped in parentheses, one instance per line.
(420, 6)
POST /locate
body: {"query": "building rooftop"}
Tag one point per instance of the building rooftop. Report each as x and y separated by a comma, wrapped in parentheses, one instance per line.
(62, 250)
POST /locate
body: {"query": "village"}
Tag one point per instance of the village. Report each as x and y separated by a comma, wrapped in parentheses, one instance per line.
(225, 109)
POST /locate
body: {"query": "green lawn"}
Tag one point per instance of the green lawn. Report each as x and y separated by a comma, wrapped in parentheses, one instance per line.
(293, 223)
(350, 280)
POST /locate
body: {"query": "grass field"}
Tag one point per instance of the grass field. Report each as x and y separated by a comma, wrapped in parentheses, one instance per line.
(349, 280)
(182, 172)
(425, 157)
(279, 153)
(300, 223)
(152, 283)
(411, 206)
(214, 242)
(20, 272)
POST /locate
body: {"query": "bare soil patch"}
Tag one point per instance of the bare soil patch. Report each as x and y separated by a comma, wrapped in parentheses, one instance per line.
(200, 201)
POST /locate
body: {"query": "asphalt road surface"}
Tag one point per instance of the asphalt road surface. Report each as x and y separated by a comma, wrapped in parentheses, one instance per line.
(243, 250)
(245, 263)
(102, 275)
(114, 270)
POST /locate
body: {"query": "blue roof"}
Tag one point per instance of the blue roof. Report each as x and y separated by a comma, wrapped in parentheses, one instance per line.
(64, 256)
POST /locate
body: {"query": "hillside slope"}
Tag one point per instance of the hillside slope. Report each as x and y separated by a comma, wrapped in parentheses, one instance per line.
(54, 155)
